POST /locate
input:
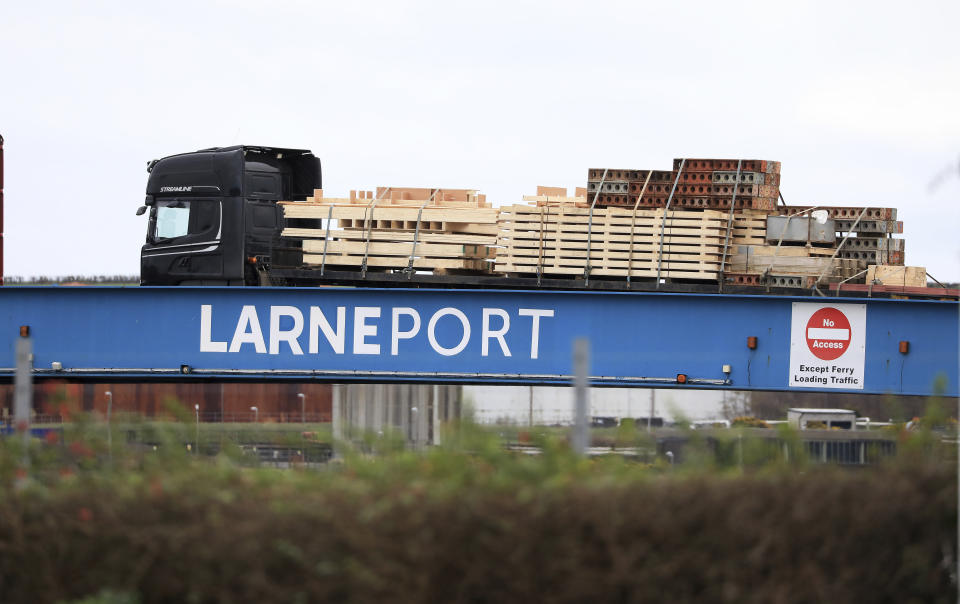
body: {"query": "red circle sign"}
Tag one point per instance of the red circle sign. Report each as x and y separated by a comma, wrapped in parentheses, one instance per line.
(828, 334)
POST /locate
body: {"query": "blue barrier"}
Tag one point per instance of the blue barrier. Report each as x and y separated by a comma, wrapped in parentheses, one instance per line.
(38, 433)
(495, 336)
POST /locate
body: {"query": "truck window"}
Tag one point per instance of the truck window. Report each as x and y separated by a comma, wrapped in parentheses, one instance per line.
(178, 217)
(173, 218)
(204, 217)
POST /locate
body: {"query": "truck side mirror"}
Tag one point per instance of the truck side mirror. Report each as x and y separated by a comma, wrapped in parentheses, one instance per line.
(141, 210)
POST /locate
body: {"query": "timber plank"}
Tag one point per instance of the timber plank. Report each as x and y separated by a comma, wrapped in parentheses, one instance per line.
(429, 214)
(380, 248)
(395, 262)
(608, 272)
(391, 236)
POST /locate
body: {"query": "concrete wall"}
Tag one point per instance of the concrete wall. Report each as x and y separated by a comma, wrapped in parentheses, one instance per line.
(413, 410)
(551, 405)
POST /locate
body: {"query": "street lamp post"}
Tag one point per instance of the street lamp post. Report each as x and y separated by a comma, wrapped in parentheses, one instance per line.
(196, 441)
(109, 396)
(303, 407)
(414, 426)
(256, 414)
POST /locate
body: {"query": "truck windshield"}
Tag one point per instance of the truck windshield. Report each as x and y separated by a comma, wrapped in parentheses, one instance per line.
(173, 219)
(183, 217)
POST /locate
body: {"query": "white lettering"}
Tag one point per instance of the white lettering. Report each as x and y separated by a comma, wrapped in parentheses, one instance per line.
(248, 331)
(206, 343)
(432, 331)
(288, 323)
(290, 336)
(336, 338)
(487, 333)
(361, 330)
(536, 313)
(396, 335)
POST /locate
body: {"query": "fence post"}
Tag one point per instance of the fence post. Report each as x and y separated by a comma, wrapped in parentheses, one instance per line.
(23, 389)
(581, 364)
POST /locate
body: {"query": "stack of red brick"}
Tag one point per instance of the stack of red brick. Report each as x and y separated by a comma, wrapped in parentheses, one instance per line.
(702, 184)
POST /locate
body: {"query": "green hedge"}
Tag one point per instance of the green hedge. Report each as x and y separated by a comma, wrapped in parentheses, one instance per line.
(486, 526)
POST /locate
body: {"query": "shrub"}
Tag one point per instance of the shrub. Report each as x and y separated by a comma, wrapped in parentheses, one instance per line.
(469, 522)
(748, 422)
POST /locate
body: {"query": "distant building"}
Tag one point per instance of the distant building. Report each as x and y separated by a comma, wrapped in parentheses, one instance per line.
(823, 419)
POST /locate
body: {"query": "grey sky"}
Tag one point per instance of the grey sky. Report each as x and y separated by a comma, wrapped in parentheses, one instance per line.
(859, 100)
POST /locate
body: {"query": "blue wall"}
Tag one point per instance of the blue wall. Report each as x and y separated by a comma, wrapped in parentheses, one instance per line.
(101, 331)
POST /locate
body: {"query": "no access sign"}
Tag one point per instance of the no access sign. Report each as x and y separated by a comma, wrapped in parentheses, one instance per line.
(827, 345)
(828, 333)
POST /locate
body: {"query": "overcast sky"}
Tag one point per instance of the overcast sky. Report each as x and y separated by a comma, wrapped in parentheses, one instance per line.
(859, 100)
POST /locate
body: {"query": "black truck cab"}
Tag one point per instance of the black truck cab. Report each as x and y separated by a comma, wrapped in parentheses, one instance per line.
(213, 210)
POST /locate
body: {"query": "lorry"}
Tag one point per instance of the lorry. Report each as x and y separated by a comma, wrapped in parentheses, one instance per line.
(213, 213)
(214, 219)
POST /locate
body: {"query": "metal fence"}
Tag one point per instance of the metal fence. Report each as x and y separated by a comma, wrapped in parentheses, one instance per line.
(264, 417)
(858, 452)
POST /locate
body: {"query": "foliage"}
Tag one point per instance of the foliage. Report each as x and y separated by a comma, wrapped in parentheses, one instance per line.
(736, 404)
(468, 521)
(745, 421)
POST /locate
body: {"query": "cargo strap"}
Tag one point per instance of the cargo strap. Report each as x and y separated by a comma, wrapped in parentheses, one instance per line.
(633, 224)
(837, 251)
(596, 196)
(368, 225)
(726, 241)
(783, 232)
(326, 239)
(416, 234)
(663, 222)
(869, 285)
(544, 221)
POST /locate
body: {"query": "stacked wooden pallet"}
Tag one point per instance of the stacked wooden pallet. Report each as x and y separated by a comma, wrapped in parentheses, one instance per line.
(616, 227)
(557, 196)
(695, 184)
(868, 230)
(420, 229)
(568, 239)
(860, 239)
(788, 266)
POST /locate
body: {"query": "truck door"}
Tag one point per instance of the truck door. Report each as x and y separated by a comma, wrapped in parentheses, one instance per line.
(184, 240)
(263, 187)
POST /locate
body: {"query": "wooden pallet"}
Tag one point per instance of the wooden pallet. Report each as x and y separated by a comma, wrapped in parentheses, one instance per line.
(553, 234)
(906, 276)
(397, 236)
(395, 262)
(406, 217)
(407, 196)
(614, 241)
(767, 259)
(557, 196)
(396, 229)
(390, 248)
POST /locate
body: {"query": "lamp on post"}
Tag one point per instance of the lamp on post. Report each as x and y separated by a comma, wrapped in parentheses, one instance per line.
(196, 441)
(256, 414)
(109, 396)
(303, 407)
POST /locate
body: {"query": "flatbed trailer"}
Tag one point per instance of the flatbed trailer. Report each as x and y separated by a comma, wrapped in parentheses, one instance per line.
(310, 277)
